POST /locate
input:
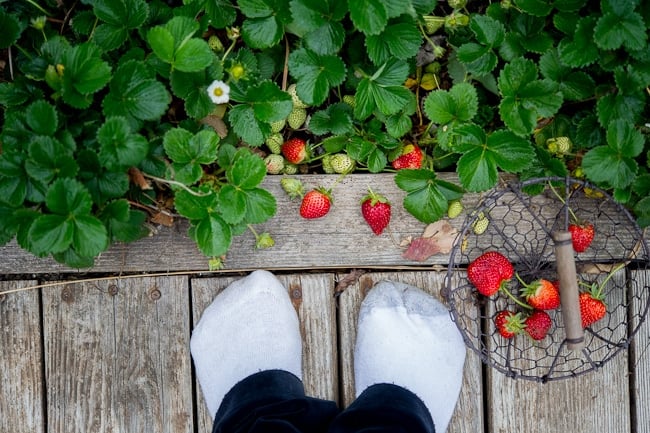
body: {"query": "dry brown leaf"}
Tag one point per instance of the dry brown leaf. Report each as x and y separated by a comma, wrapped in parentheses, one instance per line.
(421, 249)
(217, 124)
(437, 238)
(162, 218)
(138, 178)
(349, 279)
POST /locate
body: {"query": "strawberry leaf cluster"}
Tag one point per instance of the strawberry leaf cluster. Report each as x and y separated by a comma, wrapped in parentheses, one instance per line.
(143, 107)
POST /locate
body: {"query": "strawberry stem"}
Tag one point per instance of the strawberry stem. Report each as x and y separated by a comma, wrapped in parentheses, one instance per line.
(573, 215)
(513, 297)
(601, 286)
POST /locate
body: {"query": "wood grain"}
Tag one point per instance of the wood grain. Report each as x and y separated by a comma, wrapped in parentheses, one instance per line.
(313, 297)
(469, 409)
(117, 357)
(21, 381)
(641, 350)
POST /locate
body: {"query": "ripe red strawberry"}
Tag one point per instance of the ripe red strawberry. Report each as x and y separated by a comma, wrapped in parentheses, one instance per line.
(316, 203)
(490, 272)
(592, 308)
(376, 211)
(538, 324)
(581, 236)
(508, 323)
(541, 295)
(411, 157)
(295, 150)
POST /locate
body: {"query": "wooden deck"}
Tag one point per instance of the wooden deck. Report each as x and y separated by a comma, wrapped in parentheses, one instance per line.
(112, 354)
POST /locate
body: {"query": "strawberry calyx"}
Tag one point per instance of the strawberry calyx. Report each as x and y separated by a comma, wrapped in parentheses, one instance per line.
(374, 198)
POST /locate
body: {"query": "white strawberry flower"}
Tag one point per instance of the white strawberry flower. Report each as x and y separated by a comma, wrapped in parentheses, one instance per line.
(219, 92)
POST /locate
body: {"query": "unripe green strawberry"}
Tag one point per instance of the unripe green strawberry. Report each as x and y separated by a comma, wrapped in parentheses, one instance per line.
(297, 103)
(290, 168)
(457, 4)
(481, 224)
(432, 23)
(327, 164)
(274, 163)
(563, 145)
(351, 100)
(342, 163)
(297, 117)
(454, 209)
(293, 187)
(274, 142)
(264, 241)
(278, 126)
(215, 44)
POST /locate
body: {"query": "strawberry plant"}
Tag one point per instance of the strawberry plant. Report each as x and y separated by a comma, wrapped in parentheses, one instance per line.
(115, 111)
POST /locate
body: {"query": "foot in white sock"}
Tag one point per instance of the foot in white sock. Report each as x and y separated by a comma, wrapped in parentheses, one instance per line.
(251, 326)
(407, 338)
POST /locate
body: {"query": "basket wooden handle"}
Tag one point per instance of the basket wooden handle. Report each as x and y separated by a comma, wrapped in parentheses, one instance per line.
(566, 269)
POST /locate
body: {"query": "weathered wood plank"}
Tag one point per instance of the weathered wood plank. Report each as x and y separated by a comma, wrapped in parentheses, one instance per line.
(21, 381)
(469, 413)
(350, 242)
(586, 401)
(117, 356)
(312, 296)
(641, 351)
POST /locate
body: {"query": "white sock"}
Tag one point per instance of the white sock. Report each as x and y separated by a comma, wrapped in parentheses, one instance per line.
(407, 338)
(251, 326)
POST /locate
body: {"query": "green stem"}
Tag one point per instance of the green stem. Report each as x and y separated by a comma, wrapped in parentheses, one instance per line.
(575, 218)
(517, 301)
(37, 6)
(176, 183)
(250, 227)
(610, 275)
(230, 48)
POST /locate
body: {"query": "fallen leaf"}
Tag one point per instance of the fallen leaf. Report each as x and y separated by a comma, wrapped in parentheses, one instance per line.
(217, 124)
(162, 218)
(348, 280)
(437, 238)
(138, 178)
(421, 249)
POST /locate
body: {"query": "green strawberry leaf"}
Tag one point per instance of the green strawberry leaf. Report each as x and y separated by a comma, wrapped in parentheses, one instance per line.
(335, 119)
(122, 223)
(68, 197)
(90, 236)
(315, 74)
(621, 27)
(369, 16)
(401, 39)
(189, 151)
(578, 49)
(212, 235)
(13, 180)
(460, 103)
(574, 85)
(48, 158)
(50, 234)
(119, 147)
(264, 26)
(247, 171)
(539, 8)
(232, 204)
(195, 207)
(525, 98)
(84, 74)
(41, 117)
(118, 18)
(192, 88)
(383, 91)
(319, 24)
(173, 43)
(10, 29)
(614, 163)
(221, 13)
(482, 156)
(260, 205)
(136, 94)
(427, 197)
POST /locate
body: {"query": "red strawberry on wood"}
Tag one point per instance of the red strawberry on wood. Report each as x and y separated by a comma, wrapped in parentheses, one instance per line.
(376, 210)
(316, 203)
(490, 272)
(538, 324)
(541, 294)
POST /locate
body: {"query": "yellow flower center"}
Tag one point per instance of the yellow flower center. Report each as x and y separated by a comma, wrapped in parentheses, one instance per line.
(218, 91)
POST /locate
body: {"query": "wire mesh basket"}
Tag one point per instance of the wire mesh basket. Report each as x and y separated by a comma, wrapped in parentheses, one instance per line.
(522, 226)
